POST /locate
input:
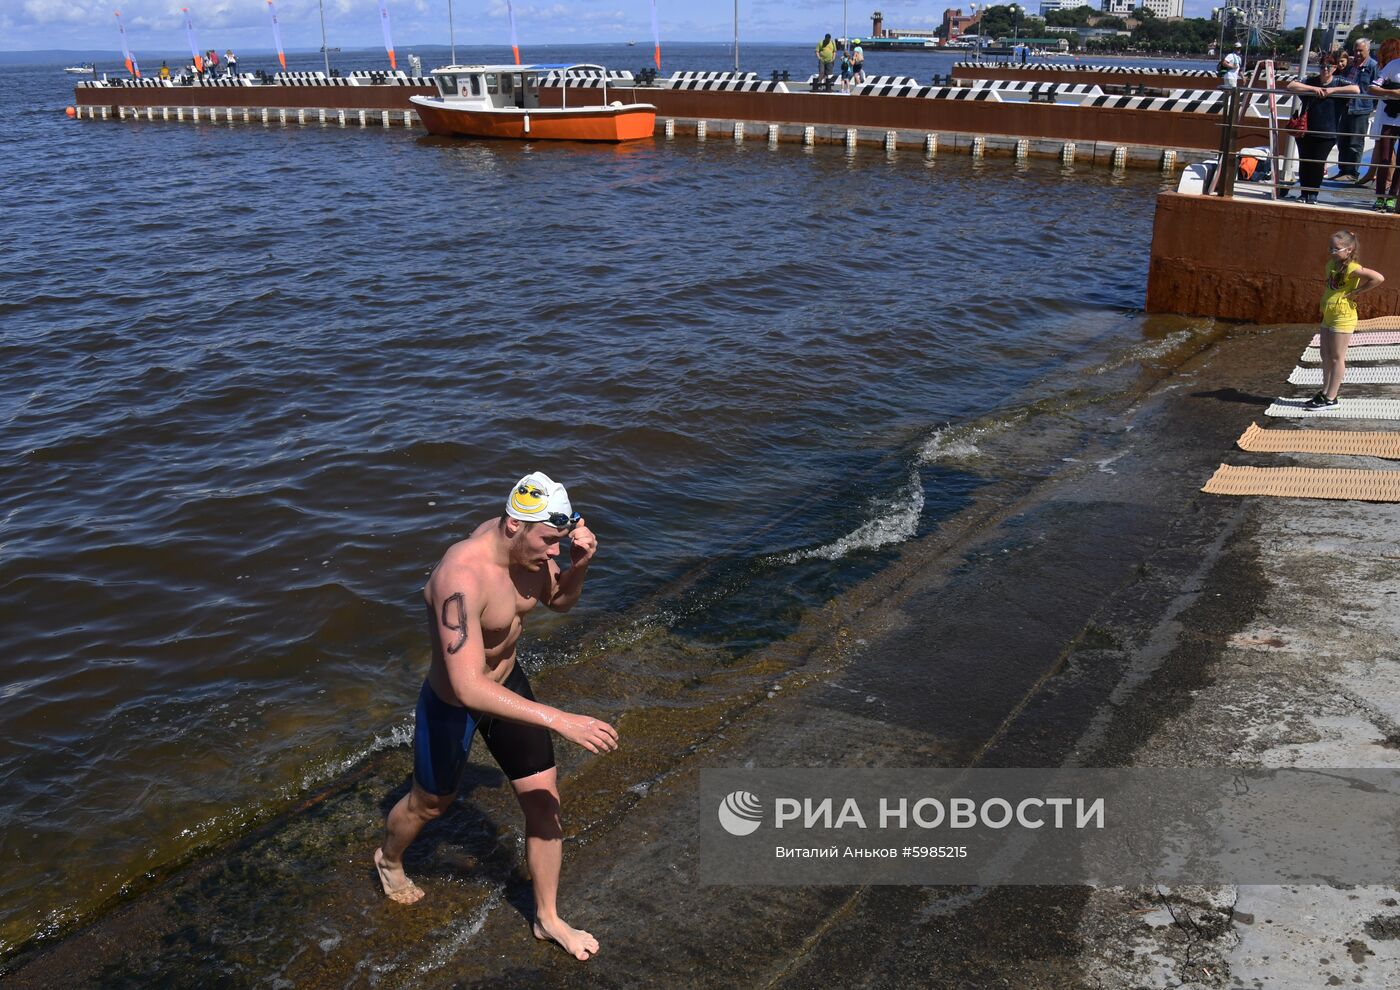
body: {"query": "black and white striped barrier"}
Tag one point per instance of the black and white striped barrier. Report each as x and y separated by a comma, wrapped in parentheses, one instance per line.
(308, 79)
(728, 85)
(585, 77)
(1058, 90)
(369, 77)
(705, 77)
(1126, 70)
(875, 80)
(1201, 101)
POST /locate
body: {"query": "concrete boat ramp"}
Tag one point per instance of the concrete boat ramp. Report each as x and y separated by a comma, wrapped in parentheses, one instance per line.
(1089, 607)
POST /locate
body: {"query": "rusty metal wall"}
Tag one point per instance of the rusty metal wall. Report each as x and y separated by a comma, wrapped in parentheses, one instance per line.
(291, 97)
(1152, 128)
(1149, 128)
(1260, 261)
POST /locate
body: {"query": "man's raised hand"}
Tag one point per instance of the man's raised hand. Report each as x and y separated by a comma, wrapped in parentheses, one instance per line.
(584, 544)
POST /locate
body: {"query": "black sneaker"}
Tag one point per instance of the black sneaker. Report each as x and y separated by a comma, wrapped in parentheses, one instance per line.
(1319, 396)
(1319, 401)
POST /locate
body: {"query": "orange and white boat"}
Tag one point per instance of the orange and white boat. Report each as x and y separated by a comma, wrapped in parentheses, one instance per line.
(503, 101)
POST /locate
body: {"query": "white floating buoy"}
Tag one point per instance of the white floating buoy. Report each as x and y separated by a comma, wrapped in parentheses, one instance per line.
(164, 113)
(891, 140)
(105, 114)
(301, 115)
(179, 113)
(700, 130)
(385, 118)
(408, 118)
(670, 127)
(1067, 152)
(340, 117)
(323, 117)
(931, 145)
(267, 115)
(1023, 148)
(1168, 160)
(979, 146)
(738, 130)
(1120, 156)
(851, 135)
(363, 119)
(282, 115)
(773, 134)
(809, 135)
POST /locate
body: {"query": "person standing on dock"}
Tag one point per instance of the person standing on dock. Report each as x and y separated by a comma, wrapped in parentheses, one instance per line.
(1323, 112)
(1356, 119)
(1383, 160)
(164, 70)
(231, 60)
(476, 600)
(858, 64)
(826, 56)
(1230, 67)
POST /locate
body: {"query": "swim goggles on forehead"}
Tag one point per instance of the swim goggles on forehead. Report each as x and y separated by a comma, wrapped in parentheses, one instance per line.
(563, 520)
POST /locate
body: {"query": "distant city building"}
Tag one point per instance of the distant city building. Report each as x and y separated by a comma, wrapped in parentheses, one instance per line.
(1165, 9)
(1337, 12)
(1119, 8)
(877, 25)
(956, 23)
(1050, 6)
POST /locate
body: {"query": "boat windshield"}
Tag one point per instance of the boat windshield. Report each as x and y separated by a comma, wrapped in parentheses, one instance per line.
(466, 84)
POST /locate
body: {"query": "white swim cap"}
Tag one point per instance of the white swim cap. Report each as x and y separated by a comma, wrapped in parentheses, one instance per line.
(535, 498)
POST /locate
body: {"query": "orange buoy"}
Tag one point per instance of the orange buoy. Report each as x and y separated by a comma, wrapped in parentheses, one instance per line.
(71, 111)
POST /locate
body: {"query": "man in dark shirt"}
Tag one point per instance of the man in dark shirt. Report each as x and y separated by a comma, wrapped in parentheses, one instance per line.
(1355, 118)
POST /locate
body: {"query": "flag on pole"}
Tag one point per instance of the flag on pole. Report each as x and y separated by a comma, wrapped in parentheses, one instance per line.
(514, 43)
(189, 33)
(277, 34)
(388, 40)
(131, 65)
(656, 35)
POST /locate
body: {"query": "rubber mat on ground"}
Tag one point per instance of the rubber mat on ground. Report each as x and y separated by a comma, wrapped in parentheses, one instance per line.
(1354, 376)
(1300, 482)
(1360, 339)
(1343, 442)
(1313, 355)
(1345, 409)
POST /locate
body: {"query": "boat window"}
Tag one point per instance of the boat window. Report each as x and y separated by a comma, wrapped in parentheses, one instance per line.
(491, 84)
(506, 81)
(475, 86)
(447, 85)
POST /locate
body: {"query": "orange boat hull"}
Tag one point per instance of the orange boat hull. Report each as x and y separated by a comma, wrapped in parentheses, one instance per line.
(611, 124)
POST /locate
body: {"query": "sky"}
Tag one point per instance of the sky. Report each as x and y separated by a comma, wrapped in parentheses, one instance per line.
(158, 25)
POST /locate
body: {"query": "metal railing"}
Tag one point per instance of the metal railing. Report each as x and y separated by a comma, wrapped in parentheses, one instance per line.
(1283, 146)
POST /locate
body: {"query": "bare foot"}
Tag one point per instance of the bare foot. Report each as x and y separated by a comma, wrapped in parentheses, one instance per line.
(397, 886)
(576, 943)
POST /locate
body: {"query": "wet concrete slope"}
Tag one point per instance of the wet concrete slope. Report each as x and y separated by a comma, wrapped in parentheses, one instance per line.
(1032, 630)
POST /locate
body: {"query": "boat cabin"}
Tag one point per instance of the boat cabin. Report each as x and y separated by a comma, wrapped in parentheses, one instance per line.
(503, 86)
(494, 85)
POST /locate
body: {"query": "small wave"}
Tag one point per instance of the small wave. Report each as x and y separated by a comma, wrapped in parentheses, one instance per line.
(893, 519)
(459, 936)
(325, 770)
(1148, 351)
(960, 443)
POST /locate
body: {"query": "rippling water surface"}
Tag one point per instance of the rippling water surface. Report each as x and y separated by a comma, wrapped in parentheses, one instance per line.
(254, 379)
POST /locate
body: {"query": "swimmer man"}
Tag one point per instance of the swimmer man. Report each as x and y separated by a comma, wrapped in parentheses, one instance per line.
(476, 599)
